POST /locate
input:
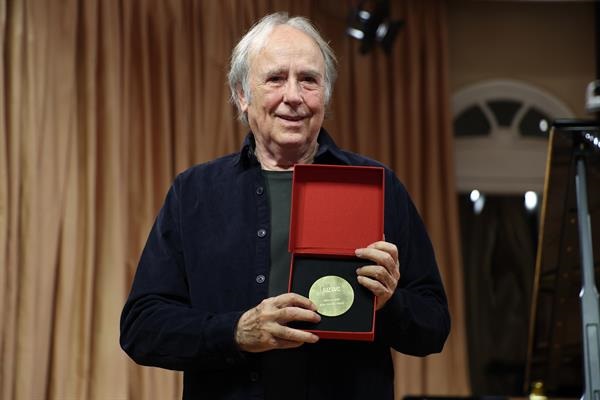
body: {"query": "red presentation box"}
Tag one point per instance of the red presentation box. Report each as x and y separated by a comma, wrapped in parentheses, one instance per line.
(335, 210)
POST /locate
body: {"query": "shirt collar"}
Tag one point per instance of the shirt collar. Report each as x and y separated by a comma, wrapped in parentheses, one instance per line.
(327, 150)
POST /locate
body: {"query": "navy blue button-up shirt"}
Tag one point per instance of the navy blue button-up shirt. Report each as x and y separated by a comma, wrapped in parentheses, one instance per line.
(206, 262)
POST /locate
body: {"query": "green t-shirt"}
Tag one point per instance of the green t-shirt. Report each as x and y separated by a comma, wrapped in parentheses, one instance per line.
(279, 190)
(285, 371)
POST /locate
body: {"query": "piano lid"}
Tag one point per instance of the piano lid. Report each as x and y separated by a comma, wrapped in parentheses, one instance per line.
(555, 340)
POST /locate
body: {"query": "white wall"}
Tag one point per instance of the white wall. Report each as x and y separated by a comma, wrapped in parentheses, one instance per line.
(546, 44)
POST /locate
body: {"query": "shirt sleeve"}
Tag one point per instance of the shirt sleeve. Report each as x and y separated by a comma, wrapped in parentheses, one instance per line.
(415, 321)
(159, 327)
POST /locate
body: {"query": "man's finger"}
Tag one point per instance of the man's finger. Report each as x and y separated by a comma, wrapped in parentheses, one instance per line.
(379, 257)
(385, 246)
(289, 314)
(286, 344)
(293, 300)
(377, 273)
(281, 332)
(373, 285)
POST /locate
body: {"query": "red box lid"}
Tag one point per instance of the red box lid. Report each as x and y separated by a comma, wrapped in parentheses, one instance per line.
(335, 209)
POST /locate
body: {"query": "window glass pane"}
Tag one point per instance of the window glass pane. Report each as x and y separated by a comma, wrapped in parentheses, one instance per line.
(471, 122)
(504, 111)
(534, 123)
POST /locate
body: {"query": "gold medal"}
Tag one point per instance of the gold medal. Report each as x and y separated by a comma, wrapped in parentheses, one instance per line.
(332, 294)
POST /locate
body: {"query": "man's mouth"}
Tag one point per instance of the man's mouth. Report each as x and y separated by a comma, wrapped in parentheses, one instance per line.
(293, 118)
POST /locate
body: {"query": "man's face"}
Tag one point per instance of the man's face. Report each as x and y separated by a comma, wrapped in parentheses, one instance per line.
(286, 81)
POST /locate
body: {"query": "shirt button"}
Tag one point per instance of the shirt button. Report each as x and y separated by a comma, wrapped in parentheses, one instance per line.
(261, 233)
(260, 278)
(254, 376)
(260, 190)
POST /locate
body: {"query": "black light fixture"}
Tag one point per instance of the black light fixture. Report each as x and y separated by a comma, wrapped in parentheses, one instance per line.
(370, 23)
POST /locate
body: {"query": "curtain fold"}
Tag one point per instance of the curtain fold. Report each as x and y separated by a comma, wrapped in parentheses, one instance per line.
(499, 248)
(103, 102)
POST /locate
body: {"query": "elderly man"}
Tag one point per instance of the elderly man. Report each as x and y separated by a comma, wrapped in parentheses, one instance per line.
(210, 293)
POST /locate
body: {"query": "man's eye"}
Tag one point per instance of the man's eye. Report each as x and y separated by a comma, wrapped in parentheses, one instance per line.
(275, 78)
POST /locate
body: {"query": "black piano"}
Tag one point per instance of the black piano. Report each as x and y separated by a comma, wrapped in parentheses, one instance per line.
(564, 342)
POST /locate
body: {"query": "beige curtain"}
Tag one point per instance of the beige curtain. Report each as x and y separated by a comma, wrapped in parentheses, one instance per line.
(103, 101)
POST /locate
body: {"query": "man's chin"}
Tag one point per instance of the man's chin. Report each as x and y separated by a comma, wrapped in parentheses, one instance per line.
(292, 139)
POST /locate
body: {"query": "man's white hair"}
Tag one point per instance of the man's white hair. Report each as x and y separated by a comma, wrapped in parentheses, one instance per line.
(255, 39)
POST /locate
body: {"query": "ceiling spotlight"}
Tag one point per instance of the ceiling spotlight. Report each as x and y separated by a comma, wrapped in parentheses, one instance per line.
(370, 23)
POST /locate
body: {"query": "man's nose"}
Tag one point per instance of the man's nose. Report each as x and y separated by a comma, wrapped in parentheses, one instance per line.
(292, 94)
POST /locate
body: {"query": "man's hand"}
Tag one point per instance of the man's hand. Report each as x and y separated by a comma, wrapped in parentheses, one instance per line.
(382, 278)
(264, 327)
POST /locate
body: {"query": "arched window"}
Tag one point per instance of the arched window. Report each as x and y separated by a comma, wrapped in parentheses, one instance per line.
(501, 129)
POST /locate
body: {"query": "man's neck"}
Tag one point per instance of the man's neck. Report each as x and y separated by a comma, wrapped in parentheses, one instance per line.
(284, 161)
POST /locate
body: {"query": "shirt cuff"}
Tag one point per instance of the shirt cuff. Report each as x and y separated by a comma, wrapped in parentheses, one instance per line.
(220, 337)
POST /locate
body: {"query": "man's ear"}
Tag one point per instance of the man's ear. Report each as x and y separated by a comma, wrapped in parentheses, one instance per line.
(242, 99)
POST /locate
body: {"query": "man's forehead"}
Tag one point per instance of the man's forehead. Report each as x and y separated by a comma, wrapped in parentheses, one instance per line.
(286, 40)
(272, 68)
(286, 48)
